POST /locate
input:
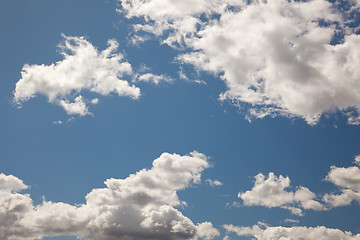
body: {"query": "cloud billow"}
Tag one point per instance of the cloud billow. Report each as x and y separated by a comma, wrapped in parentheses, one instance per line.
(141, 206)
(272, 192)
(275, 57)
(348, 182)
(83, 68)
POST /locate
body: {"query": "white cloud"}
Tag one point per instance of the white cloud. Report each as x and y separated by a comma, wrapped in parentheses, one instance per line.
(261, 232)
(141, 206)
(95, 101)
(83, 69)
(271, 192)
(348, 181)
(206, 231)
(156, 79)
(11, 183)
(275, 57)
(178, 17)
(76, 107)
(289, 220)
(357, 160)
(59, 122)
(214, 183)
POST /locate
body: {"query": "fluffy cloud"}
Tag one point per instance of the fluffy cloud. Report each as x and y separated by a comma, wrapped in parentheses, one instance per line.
(141, 206)
(178, 18)
(348, 181)
(264, 232)
(271, 192)
(206, 231)
(275, 57)
(83, 68)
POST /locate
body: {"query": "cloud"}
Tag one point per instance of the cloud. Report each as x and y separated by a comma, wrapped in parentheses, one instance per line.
(156, 79)
(276, 58)
(59, 122)
(11, 183)
(348, 182)
(141, 206)
(206, 231)
(288, 220)
(83, 69)
(262, 232)
(178, 18)
(214, 183)
(271, 192)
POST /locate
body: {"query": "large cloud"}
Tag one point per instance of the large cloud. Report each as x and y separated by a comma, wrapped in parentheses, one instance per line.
(141, 206)
(264, 232)
(271, 192)
(348, 181)
(276, 57)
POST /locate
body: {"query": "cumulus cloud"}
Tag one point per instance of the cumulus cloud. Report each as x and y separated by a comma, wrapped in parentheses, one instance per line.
(271, 192)
(206, 231)
(348, 182)
(141, 206)
(264, 232)
(82, 69)
(276, 57)
(11, 183)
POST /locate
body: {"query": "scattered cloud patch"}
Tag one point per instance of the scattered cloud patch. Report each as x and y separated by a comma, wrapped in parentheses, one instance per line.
(214, 183)
(59, 122)
(289, 220)
(348, 182)
(206, 231)
(357, 160)
(156, 79)
(264, 232)
(276, 57)
(272, 192)
(141, 206)
(95, 101)
(83, 69)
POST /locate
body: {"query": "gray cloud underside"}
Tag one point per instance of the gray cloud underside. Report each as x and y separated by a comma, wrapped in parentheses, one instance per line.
(141, 206)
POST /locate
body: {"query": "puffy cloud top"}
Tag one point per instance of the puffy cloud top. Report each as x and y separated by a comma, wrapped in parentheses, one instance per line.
(275, 57)
(11, 183)
(271, 192)
(141, 206)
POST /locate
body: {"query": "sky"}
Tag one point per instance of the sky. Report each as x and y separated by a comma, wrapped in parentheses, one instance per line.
(193, 119)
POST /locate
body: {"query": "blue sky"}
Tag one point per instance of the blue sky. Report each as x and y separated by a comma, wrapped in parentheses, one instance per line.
(285, 110)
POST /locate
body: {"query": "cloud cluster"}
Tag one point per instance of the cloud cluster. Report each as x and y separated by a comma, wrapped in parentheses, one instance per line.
(348, 181)
(263, 232)
(141, 206)
(271, 192)
(276, 57)
(83, 70)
